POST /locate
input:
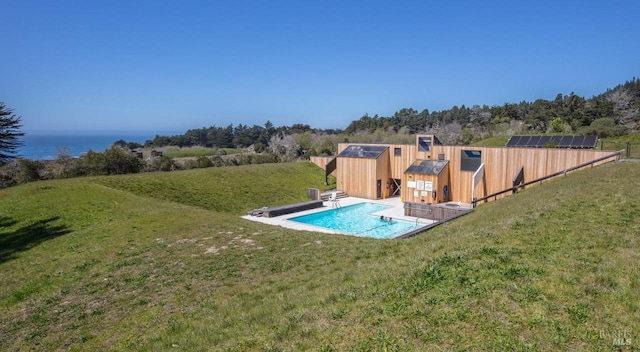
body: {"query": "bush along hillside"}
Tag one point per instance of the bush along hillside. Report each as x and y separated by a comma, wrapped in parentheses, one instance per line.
(122, 263)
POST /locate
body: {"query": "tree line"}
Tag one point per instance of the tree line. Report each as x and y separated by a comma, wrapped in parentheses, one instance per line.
(611, 113)
(240, 136)
(614, 112)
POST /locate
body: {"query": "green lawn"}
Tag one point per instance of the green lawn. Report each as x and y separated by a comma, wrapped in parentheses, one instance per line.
(232, 190)
(162, 261)
(621, 142)
(492, 142)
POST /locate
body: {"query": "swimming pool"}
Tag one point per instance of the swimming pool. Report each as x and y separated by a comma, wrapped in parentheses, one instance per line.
(357, 219)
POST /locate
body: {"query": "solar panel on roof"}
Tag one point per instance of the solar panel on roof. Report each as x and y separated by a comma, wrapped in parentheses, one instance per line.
(577, 142)
(529, 141)
(534, 141)
(556, 140)
(427, 167)
(552, 141)
(564, 142)
(522, 141)
(544, 141)
(513, 141)
(363, 151)
(590, 141)
(517, 141)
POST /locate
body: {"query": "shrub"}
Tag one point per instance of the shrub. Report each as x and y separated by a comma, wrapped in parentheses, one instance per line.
(266, 158)
(92, 163)
(163, 163)
(604, 127)
(114, 161)
(203, 162)
(8, 172)
(64, 166)
(119, 161)
(29, 170)
(217, 161)
(557, 125)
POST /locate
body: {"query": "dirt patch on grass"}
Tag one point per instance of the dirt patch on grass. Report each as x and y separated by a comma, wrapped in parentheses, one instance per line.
(215, 250)
(316, 243)
(237, 242)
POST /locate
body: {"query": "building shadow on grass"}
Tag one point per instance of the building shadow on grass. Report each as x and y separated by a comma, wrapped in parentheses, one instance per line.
(27, 237)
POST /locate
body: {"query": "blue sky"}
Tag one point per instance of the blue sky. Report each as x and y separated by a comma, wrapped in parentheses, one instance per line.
(171, 66)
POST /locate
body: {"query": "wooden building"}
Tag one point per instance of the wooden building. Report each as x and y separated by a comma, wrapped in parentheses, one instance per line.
(368, 163)
(427, 181)
(429, 172)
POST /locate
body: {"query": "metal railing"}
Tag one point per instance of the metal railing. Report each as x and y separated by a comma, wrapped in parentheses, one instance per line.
(631, 149)
(564, 172)
(420, 229)
(329, 168)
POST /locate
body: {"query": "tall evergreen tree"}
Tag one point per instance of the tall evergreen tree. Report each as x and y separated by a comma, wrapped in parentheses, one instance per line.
(9, 134)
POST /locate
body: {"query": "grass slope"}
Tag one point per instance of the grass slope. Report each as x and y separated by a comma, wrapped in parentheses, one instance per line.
(621, 142)
(492, 142)
(121, 263)
(233, 190)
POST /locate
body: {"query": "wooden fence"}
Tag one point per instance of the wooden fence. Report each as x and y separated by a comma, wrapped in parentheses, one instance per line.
(564, 172)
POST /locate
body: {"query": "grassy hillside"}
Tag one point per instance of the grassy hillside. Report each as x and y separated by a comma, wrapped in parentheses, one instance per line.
(621, 142)
(233, 190)
(157, 262)
(492, 142)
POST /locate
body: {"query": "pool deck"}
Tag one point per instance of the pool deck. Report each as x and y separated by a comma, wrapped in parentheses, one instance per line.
(395, 211)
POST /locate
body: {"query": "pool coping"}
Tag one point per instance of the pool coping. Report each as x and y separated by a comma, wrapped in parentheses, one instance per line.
(395, 210)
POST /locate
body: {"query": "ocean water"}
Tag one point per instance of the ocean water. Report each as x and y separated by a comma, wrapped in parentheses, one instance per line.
(46, 146)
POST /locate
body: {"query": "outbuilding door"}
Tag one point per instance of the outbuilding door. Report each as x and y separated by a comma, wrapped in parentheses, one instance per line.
(396, 187)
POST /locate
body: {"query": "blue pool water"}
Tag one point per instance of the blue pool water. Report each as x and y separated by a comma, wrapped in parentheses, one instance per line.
(358, 220)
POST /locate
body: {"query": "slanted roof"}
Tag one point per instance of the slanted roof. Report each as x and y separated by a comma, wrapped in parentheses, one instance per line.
(363, 151)
(426, 167)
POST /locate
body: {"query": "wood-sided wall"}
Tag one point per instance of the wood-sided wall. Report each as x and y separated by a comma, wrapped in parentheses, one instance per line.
(397, 163)
(359, 176)
(400, 163)
(502, 164)
(438, 182)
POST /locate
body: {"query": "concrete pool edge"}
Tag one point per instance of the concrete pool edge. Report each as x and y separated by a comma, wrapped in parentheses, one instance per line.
(395, 210)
